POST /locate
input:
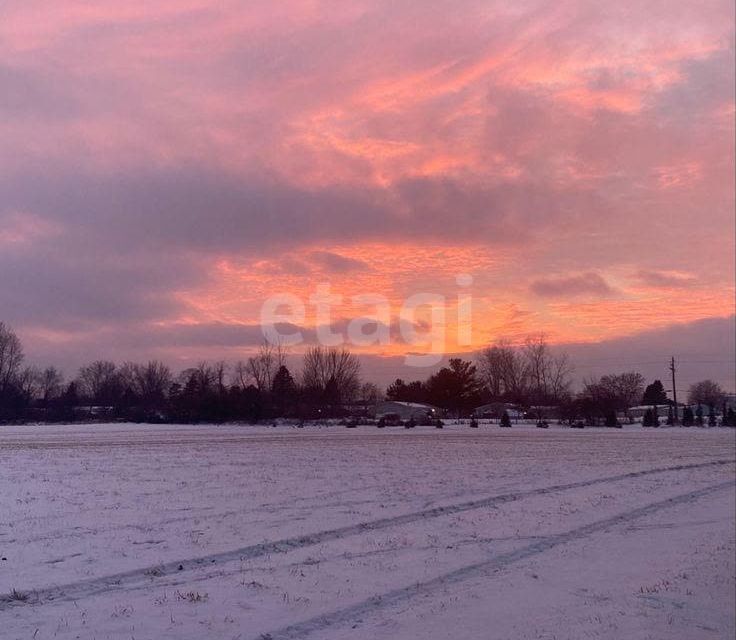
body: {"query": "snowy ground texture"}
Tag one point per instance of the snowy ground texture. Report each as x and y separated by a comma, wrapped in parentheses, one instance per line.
(182, 532)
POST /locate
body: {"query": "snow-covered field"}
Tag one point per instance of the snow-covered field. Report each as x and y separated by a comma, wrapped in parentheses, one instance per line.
(184, 532)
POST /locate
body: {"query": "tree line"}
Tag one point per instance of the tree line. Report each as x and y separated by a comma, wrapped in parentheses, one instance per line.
(537, 381)
(262, 387)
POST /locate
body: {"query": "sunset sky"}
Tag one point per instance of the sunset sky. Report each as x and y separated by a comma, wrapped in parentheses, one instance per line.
(166, 166)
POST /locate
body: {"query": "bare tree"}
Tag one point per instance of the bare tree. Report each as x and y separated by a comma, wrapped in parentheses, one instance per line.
(707, 393)
(559, 377)
(537, 357)
(612, 393)
(201, 378)
(370, 394)
(261, 368)
(28, 382)
(51, 382)
(152, 381)
(332, 370)
(241, 376)
(628, 387)
(531, 373)
(219, 374)
(11, 356)
(125, 376)
(548, 375)
(503, 370)
(491, 369)
(98, 380)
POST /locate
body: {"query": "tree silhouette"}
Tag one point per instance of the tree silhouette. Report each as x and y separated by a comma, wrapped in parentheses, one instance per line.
(456, 387)
(655, 394)
(284, 392)
(707, 393)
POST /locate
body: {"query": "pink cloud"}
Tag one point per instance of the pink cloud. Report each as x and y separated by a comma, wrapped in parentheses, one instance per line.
(572, 138)
(585, 284)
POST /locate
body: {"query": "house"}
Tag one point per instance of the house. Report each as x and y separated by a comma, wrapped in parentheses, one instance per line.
(544, 412)
(495, 410)
(405, 410)
(730, 401)
(662, 410)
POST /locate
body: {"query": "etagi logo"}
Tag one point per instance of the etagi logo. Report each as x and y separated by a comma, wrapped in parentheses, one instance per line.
(428, 335)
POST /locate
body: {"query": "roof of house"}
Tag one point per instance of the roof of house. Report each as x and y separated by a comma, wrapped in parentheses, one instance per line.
(496, 405)
(412, 405)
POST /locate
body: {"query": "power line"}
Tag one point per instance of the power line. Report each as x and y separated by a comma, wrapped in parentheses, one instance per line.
(627, 363)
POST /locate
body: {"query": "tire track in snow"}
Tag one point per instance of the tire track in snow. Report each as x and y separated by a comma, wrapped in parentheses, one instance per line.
(142, 577)
(481, 569)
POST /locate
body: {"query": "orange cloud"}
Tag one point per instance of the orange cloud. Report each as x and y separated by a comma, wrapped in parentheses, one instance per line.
(212, 154)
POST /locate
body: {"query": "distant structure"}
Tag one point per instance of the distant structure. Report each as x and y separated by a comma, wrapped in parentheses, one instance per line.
(495, 410)
(730, 401)
(639, 410)
(405, 410)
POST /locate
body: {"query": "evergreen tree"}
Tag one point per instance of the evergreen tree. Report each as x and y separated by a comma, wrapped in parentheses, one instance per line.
(331, 398)
(70, 397)
(655, 394)
(688, 419)
(403, 392)
(284, 391)
(397, 390)
(455, 387)
(611, 420)
(647, 420)
(730, 419)
(712, 422)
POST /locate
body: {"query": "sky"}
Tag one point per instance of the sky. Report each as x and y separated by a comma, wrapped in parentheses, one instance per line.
(168, 166)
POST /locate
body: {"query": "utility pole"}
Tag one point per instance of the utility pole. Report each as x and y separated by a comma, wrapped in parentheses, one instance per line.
(674, 389)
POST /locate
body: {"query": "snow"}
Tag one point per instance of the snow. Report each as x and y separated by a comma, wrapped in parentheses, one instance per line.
(140, 531)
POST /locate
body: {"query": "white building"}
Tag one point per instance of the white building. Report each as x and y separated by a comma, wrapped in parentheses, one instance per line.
(405, 410)
(495, 410)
